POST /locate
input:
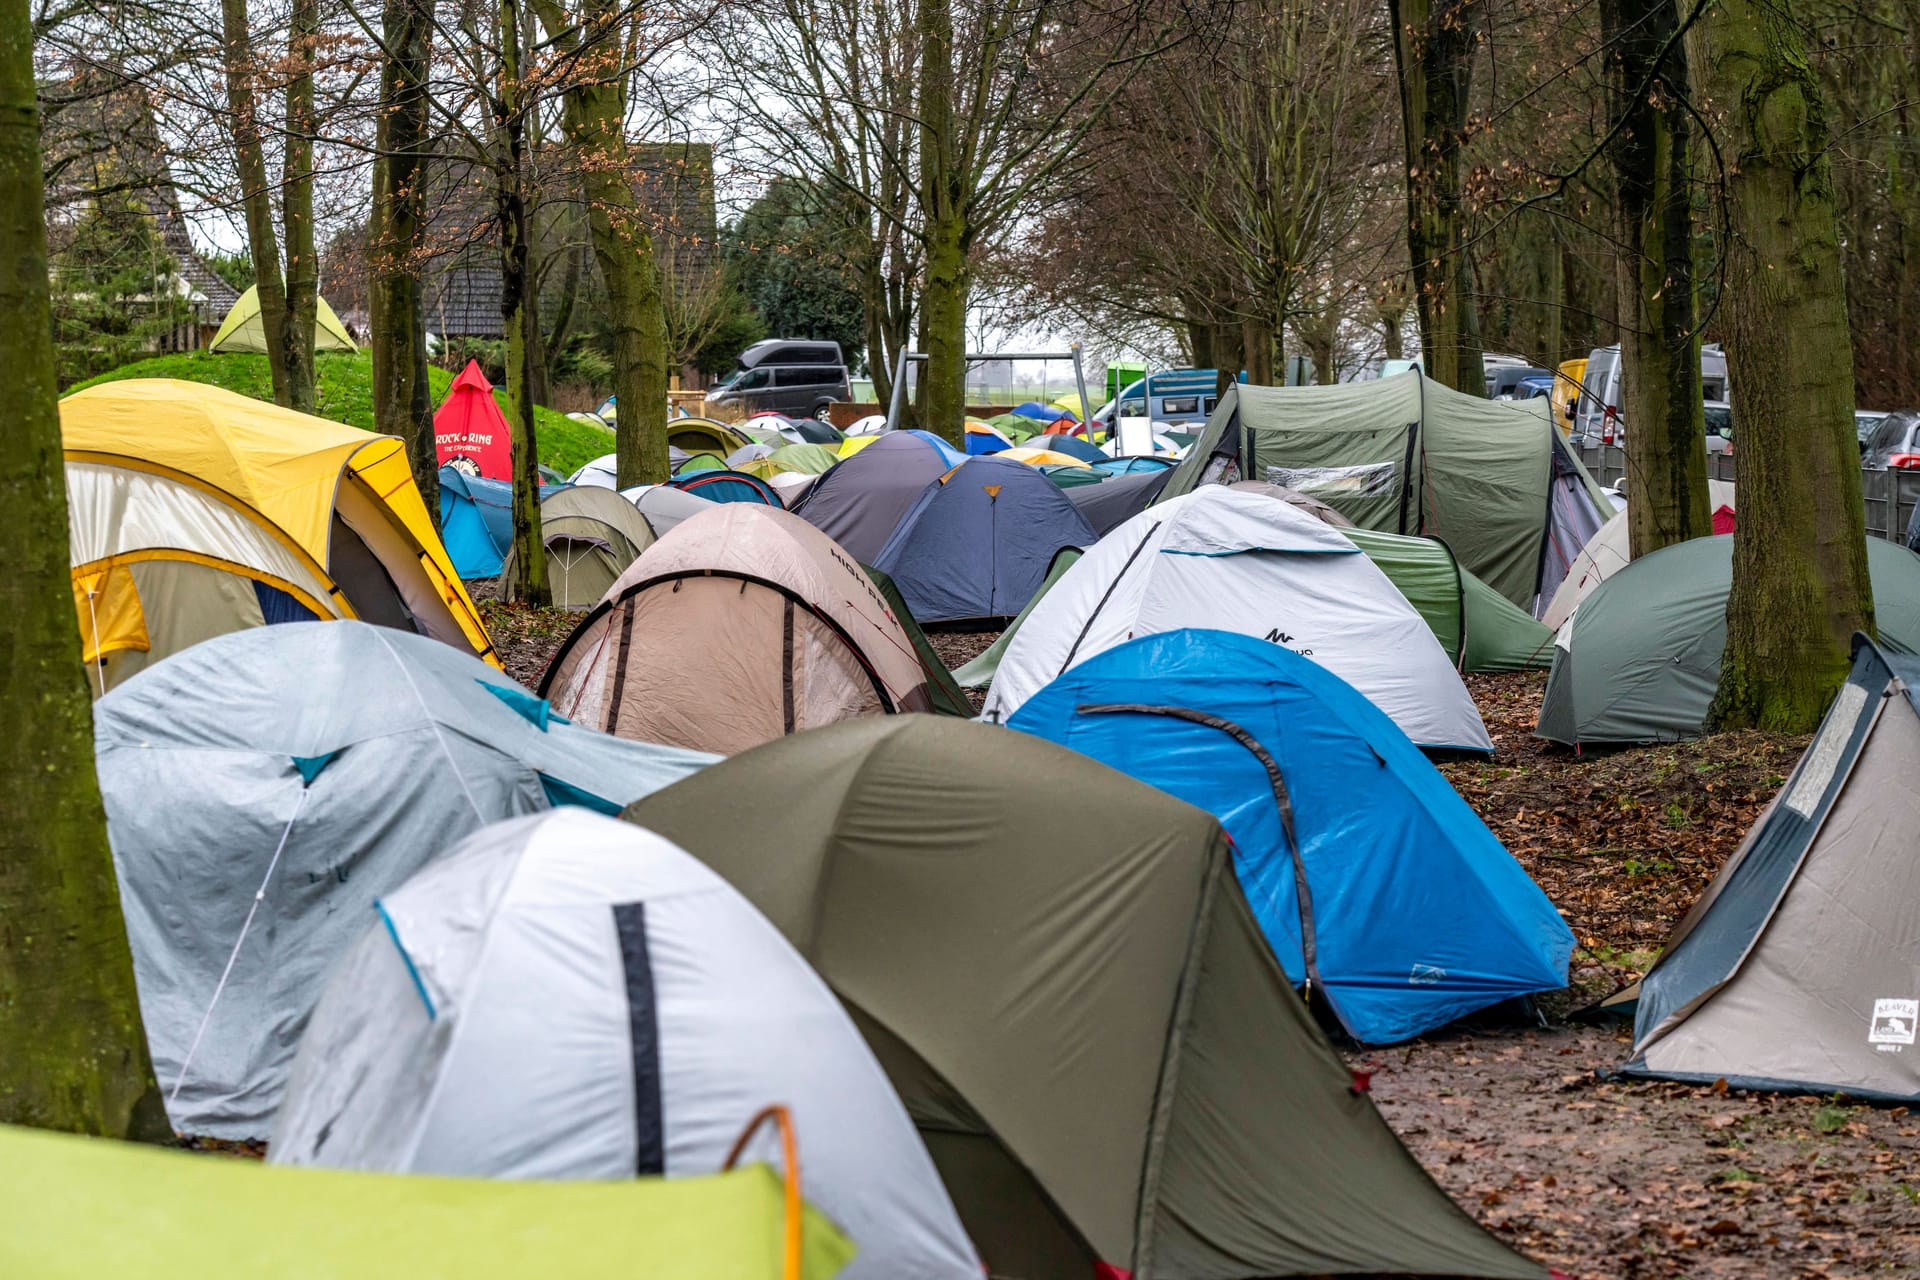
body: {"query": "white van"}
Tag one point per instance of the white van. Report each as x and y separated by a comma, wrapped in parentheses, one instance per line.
(1596, 416)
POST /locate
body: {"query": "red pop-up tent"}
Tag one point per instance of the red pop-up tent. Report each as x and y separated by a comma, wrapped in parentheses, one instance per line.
(469, 430)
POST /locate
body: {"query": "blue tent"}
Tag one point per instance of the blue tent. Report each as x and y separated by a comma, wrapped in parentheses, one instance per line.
(977, 543)
(1072, 446)
(1040, 412)
(1128, 465)
(476, 522)
(721, 485)
(1416, 913)
(859, 500)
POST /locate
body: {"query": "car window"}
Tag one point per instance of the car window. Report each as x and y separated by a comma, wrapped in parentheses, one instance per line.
(1132, 408)
(1720, 421)
(751, 378)
(1181, 404)
(1889, 434)
(804, 376)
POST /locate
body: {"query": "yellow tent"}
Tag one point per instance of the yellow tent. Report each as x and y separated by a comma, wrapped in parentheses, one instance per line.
(80, 1208)
(854, 444)
(194, 511)
(1043, 458)
(242, 330)
(1073, 404)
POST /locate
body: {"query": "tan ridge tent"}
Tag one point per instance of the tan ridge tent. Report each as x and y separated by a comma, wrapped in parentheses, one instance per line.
(1058, 971)
(242, 331)
(742, 624)
(592, 535)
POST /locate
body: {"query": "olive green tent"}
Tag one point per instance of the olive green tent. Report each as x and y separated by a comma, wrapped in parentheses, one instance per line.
(941, 689)
(1408, 455)
(592, 535)
(1058, 971)
(242, 330)
(82, 1208)
(1639, 660)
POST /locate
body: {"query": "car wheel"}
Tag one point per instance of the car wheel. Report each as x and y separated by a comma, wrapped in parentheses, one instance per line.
(823, 412)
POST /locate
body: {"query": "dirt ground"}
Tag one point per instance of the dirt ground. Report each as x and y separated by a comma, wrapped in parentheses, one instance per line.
(1604, 1180)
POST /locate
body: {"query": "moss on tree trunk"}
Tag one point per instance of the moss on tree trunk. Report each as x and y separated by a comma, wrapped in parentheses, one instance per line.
(73, 1054)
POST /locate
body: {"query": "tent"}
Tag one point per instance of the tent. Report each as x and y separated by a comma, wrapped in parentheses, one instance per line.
(792, 486)
(319, 766)
(682, 463)
(806, 459)
(778, 429)
(977, 542)
(1236, 561)
(565, 996)
(981, 438)
(942, 691)
(861, 500)
(476, 522)
(242, 331)
(1112, 503)
(1016, 427)
(742, 624)
(1038, 412)
(1480, 629)
(664, 506)
(1639, 660)
(1072, 446)
(592, 535)
(704, 435)
(469, 431)
(1796, 970)
(979, 673)
(1124, 466)
(722, 485)
(602, 471)
(1607, 552)
(1312, 506)
(1062, 978)
(193, 512)
(1408, 455)
(74, 1208)
(1277, 747)
(1043, 457)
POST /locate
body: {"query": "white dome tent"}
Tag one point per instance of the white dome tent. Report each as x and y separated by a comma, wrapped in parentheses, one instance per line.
(1236, 560)
(571, 996)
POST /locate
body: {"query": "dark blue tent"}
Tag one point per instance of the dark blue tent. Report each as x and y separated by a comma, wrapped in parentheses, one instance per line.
(859, 500)
(720, 485)
(977, 543)
(1413, 915)
(476, 522)
(1111, 504)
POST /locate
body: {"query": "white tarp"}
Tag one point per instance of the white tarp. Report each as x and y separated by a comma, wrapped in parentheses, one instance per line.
(1238, 560)
(568, 996)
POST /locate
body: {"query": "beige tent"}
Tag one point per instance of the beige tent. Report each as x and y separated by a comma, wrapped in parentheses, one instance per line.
(1605, 554)
(242, 330)
(592, 535)
(743, 624)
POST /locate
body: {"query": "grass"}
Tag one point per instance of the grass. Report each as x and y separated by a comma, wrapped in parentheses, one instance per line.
(343, 391)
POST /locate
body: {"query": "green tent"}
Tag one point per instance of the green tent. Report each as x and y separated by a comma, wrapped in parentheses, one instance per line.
(1016, 427)
(82, 1208)
(1067, 477)
(1480, 629)
(242, 330)
(1639, 661)
(806, 459)
(946, 695)
(979, 673)
(1056, 968)
(1407, 455)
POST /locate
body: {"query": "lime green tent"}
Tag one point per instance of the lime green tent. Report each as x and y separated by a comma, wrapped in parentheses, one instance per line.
(242, 330)
(81, 1208)
(1480, 629)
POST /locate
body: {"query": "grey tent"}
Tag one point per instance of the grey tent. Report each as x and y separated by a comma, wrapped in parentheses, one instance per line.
(592, 535)
(664, 506)
(318, 765)
(1111, 503)
(1799, 968)
(1407, 455)
(1310, 505)
(859, 501)
(1639, 660)
(1058, 971)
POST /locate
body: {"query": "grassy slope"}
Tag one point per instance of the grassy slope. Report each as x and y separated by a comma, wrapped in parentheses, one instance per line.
(345, 394)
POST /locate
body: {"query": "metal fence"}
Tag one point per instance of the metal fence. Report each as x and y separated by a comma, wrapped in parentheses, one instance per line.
(1890, 495)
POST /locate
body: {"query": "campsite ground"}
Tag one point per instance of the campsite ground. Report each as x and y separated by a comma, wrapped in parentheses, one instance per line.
(1604, 1179)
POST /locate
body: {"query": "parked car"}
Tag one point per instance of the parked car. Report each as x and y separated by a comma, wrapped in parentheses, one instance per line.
(799, 378)
(1864, 421)
(1719, 426)
(1895, 443)
(1510, 381)
(1596, 415)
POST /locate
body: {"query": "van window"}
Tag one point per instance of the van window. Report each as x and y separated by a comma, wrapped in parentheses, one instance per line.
(819, 375)
(1185, 404)
(751, 378)
(798, 355)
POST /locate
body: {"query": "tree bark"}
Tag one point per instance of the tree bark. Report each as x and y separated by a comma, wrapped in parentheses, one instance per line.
(303, 263)
(73, 1053)
(1800, 586)
(528, 581)
(1433, 49)
(1649, 93)
(944, 200)
(402, 397)
(594, 121)
(1260, 348)
(256, 192)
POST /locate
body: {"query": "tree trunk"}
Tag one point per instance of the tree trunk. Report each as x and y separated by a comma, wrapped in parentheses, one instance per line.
(528, 582)
(538, 391)
(873, 301)
(256, 193)
(1660, 341)
(1800, 586)
(402, 397)
(1229, 356)
(73, 1054)
(1260, 348)
(1433, 49)
(948, 230)
(594, 121)
(303, 263)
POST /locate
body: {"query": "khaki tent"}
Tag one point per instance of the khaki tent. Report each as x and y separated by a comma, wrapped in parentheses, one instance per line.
(242, 331)
(592, 535)
(742, 624)
(1058, 971)
(81, 1208)
(193, 512)
(704, 435)
(1799, 968)
(1407, 455)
